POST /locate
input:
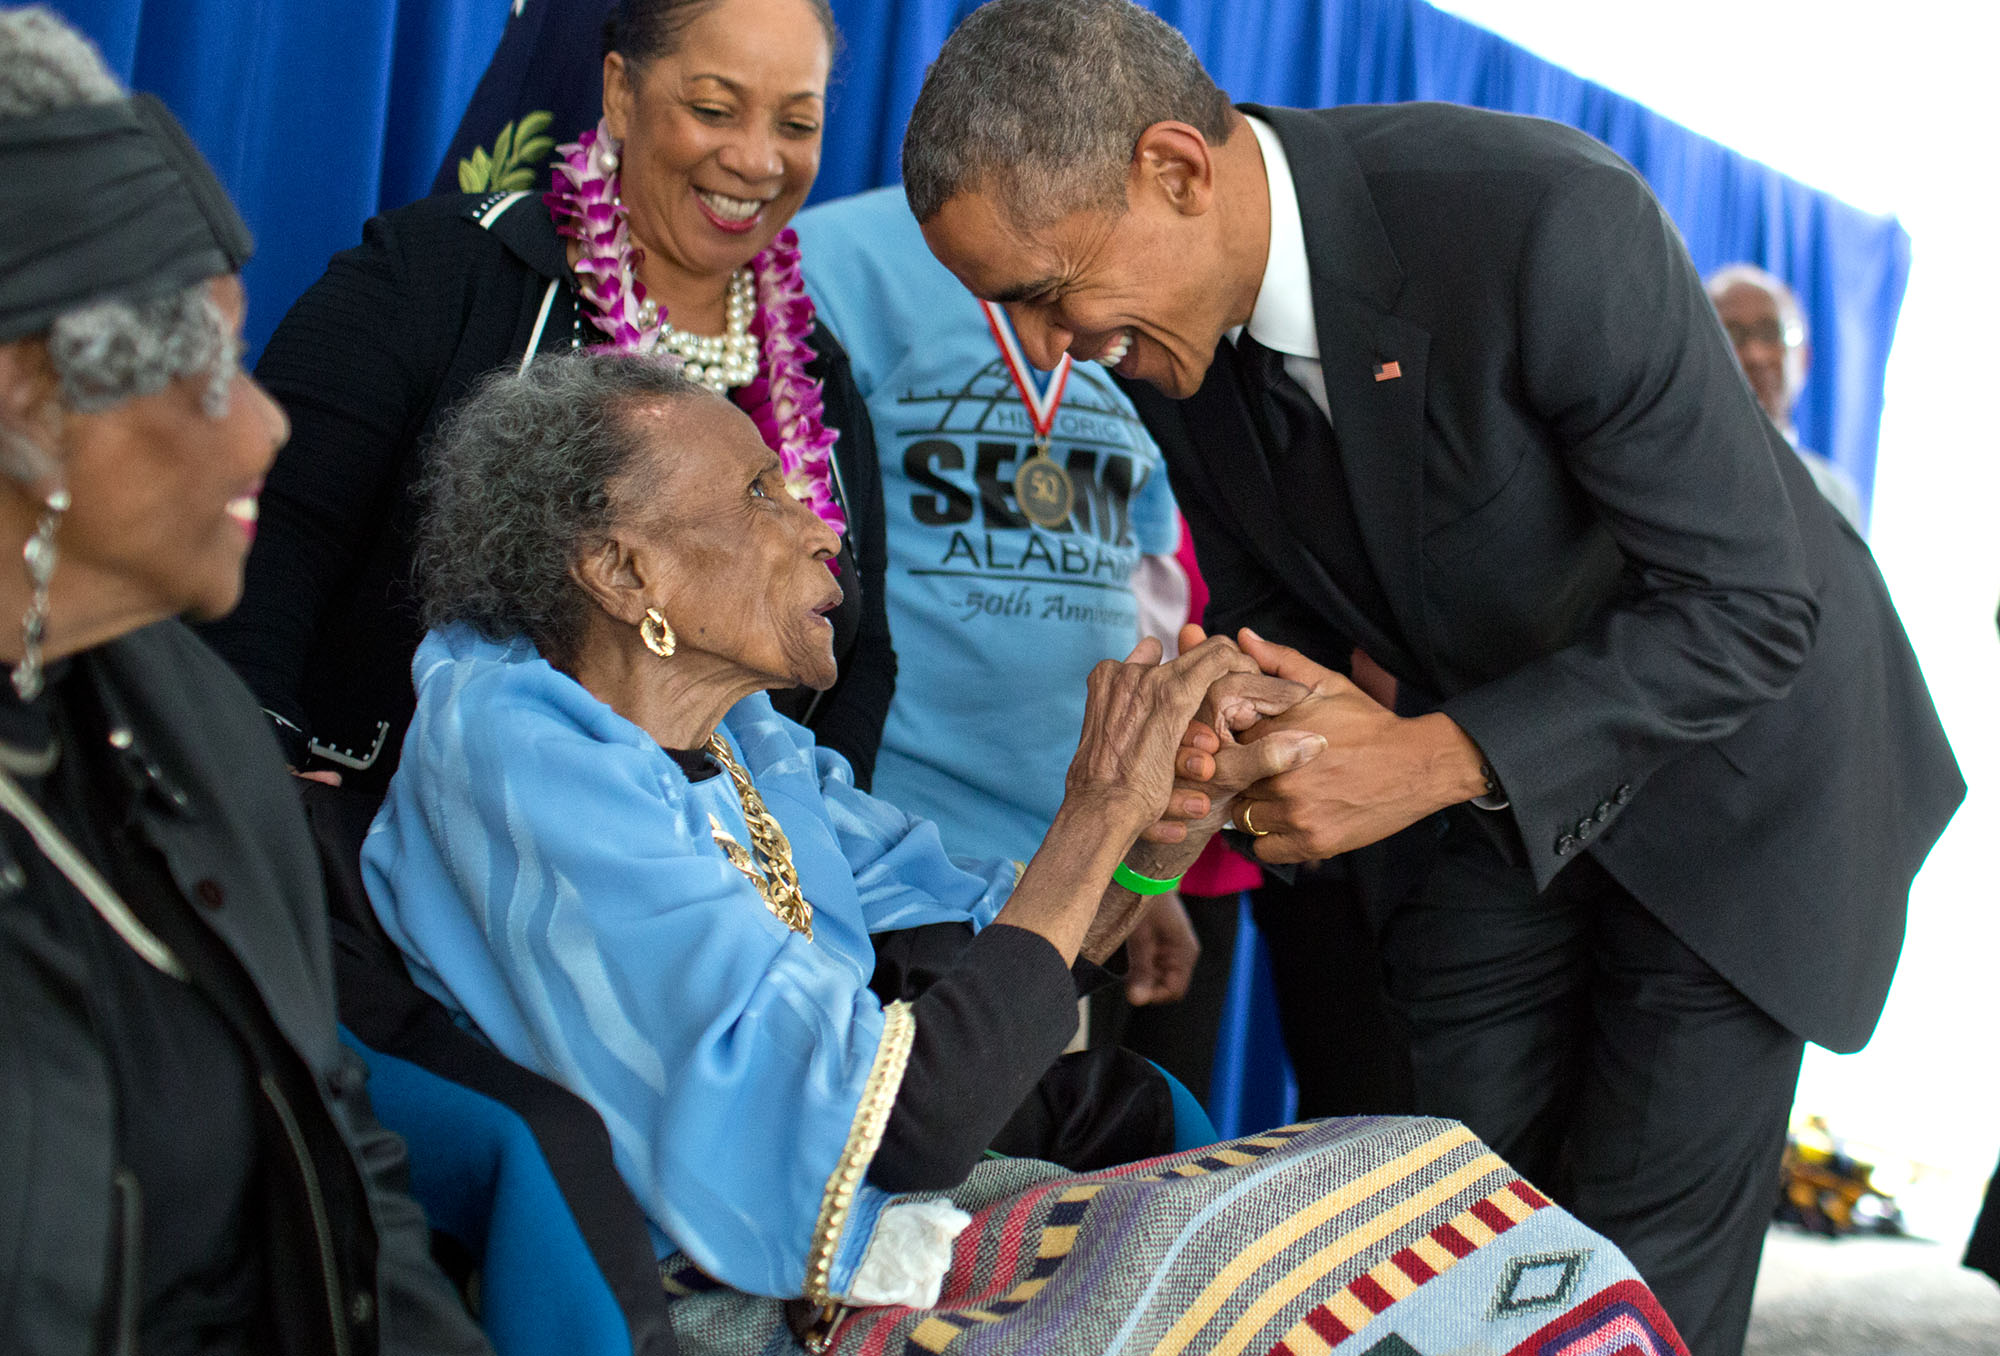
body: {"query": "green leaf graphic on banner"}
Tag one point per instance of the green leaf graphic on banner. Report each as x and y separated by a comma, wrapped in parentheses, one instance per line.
(516, 158)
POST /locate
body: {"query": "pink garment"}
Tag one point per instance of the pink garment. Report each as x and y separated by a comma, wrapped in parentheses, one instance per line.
(1220, 870)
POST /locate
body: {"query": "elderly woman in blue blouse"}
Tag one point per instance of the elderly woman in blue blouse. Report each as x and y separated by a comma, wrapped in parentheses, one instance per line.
(607, 852)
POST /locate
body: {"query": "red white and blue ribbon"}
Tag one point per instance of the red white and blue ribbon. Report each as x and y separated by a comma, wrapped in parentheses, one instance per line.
(1041, 392)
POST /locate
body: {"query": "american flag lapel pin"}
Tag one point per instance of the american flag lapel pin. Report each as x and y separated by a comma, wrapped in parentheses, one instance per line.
(1388, 371)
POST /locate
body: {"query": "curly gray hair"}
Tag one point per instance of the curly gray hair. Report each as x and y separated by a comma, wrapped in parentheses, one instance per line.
(111, 349)
(1041, 103)
(518, 487)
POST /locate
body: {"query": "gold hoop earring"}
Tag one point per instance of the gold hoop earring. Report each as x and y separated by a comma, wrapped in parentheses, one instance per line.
(656, 635)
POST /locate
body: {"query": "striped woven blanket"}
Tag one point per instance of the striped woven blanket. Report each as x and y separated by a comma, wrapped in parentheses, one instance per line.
(1377, 1236)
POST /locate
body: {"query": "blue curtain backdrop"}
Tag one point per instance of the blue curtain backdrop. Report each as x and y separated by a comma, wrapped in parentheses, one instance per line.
(318, 113)
(1848, 267)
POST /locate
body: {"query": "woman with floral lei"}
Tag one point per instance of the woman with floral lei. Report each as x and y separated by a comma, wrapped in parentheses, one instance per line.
(665, 231)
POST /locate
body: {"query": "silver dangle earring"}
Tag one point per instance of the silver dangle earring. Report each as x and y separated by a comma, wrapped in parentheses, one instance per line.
(39, 555)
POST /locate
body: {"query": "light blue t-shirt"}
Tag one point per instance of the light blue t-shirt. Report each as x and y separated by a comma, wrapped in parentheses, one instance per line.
(997, 620)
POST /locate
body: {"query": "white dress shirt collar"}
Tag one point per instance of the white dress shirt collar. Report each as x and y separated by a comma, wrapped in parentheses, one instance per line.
(1282, 319)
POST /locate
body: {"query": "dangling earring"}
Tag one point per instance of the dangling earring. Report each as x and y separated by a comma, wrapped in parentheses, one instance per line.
(656, 635)
(39, 555)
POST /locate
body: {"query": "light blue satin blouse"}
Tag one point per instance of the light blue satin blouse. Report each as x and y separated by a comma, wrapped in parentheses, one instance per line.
(552, 875)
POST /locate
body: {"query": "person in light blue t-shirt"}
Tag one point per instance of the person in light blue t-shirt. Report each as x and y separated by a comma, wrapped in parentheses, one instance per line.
(997, 617)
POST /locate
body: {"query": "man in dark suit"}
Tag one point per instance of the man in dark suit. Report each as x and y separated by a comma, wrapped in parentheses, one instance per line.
(1443, 384)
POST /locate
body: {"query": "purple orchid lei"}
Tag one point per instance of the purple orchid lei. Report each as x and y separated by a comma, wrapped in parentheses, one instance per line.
(784, 403)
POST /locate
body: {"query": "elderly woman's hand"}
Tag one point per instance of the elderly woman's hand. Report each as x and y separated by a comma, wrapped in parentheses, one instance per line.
(1211, 767)
(1121, 782)
(1213, 773)
(1134, 720)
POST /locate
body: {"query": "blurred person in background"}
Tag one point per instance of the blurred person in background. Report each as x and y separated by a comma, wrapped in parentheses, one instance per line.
(1003, 600)
(1767, 327)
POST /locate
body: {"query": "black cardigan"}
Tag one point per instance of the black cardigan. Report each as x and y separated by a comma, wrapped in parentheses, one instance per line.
(367, 364)
(208, 802)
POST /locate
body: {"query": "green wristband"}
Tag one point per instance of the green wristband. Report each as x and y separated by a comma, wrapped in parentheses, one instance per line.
(1142, 885)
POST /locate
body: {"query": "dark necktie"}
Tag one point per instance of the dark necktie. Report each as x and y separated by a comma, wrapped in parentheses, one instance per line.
(1313, 498)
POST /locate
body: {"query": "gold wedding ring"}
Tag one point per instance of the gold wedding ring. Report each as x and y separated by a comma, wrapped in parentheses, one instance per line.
(1244, 820)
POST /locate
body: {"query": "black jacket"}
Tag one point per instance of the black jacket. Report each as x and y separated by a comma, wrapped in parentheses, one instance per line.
(367, 364)
(1597, 555)
(347, 1253)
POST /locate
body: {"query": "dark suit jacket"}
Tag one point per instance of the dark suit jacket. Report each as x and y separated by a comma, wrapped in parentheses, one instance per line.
(1600, 558)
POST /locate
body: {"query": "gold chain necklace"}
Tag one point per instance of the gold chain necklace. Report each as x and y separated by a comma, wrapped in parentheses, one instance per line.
(777, 882)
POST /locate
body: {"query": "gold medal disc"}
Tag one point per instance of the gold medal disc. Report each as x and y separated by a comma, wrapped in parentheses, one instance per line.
(1043, 490)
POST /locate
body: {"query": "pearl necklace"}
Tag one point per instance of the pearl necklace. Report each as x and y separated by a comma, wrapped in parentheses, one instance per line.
(767, 307)
(721, 362)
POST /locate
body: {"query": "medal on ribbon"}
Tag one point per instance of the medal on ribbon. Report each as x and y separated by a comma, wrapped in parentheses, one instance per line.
(1041, 487)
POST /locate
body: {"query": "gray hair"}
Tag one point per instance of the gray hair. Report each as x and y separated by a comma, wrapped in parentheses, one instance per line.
(1790, 314)
(518, 488)
(114, 348)
(1041, 102)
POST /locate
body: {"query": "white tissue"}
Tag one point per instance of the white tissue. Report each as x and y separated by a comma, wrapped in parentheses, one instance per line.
(907, 1258)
